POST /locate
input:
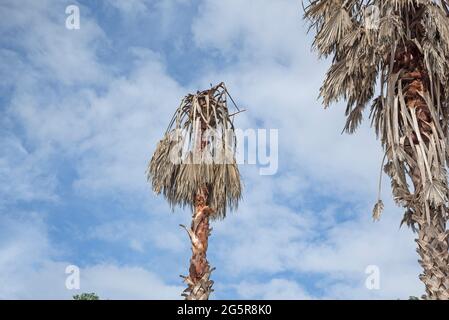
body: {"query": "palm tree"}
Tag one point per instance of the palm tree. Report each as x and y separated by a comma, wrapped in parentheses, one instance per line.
(404, 46)
(194, 165)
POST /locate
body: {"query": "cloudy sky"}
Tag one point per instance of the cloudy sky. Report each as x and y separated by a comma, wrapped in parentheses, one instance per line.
(81, 112)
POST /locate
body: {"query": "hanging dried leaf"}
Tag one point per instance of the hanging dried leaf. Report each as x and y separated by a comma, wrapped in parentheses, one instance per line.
(378, 209)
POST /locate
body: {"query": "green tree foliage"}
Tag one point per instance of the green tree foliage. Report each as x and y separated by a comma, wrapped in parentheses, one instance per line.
(86, 296)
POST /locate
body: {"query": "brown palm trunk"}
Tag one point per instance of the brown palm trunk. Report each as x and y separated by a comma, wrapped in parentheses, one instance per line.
(433, 249)
(199, 285)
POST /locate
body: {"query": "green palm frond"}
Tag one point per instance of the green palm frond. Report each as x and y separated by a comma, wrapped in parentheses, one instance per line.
(197, 151)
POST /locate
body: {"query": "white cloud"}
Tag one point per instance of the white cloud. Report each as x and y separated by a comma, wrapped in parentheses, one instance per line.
(52, 51)
(321, 243)
(130, 8)
(113, 133)
(250, 29)
(112, 282)
(126, 124)
(281, 93)
(275, 289)
(165, 235)
(108, 281)
(29, 269)
(24, 174)
(160, 18)
(73, 120)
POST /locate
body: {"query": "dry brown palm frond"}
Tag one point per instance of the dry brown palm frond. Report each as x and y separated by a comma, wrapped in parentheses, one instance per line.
(197, 151)
(334, 29)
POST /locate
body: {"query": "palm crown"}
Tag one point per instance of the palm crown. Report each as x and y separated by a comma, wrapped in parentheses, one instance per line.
(198, 151)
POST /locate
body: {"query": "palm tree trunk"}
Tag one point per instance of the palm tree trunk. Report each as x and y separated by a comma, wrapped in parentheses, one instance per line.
(432, 244)
(199, 285)
(433, 250)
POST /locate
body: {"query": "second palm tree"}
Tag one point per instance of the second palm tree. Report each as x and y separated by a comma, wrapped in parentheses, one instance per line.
(405, 45)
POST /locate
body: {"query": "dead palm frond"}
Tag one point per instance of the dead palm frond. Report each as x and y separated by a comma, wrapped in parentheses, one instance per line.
(198, 150)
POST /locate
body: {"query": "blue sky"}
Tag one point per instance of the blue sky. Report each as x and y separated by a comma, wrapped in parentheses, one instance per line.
(82, 111)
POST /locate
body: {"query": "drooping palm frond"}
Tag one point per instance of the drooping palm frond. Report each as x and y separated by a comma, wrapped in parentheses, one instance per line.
(198, 151)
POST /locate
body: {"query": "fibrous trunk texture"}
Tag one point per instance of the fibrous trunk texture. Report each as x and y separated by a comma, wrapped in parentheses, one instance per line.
(199, 285)
(433, 249)
(429, 217)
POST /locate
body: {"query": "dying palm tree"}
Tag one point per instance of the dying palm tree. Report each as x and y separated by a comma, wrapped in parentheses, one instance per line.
(194, 165)
(404, 46)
